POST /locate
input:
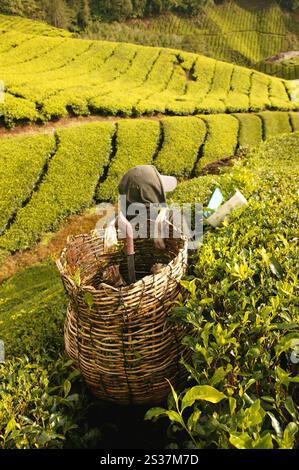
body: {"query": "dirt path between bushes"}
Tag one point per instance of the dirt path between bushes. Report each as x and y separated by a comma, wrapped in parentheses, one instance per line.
(51, 126)
(48, 248)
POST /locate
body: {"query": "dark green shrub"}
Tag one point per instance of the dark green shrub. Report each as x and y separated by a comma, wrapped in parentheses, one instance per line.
(43, 403)
(242, 311)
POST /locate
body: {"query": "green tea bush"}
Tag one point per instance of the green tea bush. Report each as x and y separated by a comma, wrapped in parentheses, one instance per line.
(242, 315)
(259, 92)
(275, 123)
(294, 118)
(240, 81)
(136, 143)
(21, 162)
(203, 73)
(218, 90)
(238, 94)
(228, 31)
(222, 138)
(196, 190)
(278, 94)
(183, 137)
(17, 110)
(251, 130)
(24, 25)
(43, 403)
(54, 77)
(237, 102)
(222, 80)
(68, 186)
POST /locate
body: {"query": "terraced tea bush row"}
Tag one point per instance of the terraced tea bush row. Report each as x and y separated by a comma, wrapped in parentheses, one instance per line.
(17, 110)
(282, 70)
(22, 160)
(141, 87)
(181, 146)
(68, 186)
(51, 77)
(137, 142)
(143, 62)
(250, 129)
(24, 25)
(222, 139)
(277, 153)
(190, 140)
(183, 137)
(279, 123)
(259, 98)
(278, 94)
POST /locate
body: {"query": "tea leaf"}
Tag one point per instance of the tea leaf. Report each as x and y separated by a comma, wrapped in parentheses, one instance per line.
(202, 392)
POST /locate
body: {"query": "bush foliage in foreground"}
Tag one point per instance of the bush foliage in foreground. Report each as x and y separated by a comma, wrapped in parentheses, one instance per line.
(42, 402)
(242, 312)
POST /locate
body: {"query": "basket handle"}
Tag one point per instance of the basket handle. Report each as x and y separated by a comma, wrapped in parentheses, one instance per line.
(125, 225)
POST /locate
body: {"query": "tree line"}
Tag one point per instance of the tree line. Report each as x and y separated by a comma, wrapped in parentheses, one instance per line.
(77, 14)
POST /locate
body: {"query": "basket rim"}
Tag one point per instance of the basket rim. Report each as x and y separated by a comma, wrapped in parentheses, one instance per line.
(148, 280)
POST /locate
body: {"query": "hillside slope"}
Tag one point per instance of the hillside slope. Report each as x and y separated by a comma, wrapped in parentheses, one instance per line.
(25, 25)
(233, 32)
(52, 77)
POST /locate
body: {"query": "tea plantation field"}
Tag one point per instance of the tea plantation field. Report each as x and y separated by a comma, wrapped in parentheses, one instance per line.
(242, 308)
(52, 176)
(50, 76)
(25, 25)
(191, 116)
(233, 32)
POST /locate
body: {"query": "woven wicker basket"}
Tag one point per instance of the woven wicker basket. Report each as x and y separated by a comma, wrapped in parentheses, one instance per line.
(121, 338)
